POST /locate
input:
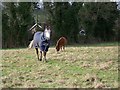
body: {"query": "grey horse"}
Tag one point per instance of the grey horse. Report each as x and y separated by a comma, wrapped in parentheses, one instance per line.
(42, 40)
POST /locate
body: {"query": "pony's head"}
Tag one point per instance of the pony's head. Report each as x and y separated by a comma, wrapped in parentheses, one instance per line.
(47, 32)
(57, 48)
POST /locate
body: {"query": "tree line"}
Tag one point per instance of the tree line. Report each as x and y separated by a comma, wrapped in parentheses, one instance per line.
(100, 20)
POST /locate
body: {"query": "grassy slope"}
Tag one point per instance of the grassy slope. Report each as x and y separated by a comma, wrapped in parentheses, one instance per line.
(84, 67)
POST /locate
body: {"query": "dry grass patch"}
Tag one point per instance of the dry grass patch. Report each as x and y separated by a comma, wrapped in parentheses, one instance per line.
(76, 67)
(94, 81)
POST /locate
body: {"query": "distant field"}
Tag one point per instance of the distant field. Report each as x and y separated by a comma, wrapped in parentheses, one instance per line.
(77, 67)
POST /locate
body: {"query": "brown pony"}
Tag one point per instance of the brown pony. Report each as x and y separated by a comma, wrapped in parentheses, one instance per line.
(61, 43)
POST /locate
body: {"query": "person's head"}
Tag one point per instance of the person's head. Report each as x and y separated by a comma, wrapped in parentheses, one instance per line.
(82, 32)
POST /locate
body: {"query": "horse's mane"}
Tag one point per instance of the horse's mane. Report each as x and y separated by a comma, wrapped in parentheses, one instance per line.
(58, 42)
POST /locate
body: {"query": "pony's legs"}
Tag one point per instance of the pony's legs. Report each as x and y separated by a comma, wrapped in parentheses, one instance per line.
(40, 55)
(64, 48)
(37, 53)
(61, 48)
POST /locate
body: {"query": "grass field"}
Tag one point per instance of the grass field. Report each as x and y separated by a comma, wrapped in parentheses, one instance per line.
(76, 67)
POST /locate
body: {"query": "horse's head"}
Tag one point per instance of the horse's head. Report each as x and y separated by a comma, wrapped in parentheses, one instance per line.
(47, 32)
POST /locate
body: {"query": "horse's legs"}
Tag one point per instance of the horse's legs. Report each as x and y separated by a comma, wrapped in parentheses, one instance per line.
(40, 55)
(37, 53)
(44, 53)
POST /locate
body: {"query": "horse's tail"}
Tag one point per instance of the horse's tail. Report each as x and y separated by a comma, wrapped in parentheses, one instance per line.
(31, 44)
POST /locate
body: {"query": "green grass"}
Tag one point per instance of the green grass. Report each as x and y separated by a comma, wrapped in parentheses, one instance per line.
(76, 67)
